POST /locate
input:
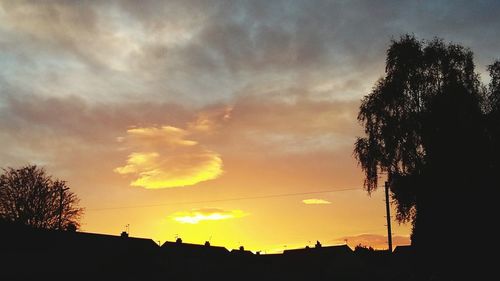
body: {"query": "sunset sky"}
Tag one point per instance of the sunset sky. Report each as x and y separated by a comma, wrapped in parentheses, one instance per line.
(228, 121)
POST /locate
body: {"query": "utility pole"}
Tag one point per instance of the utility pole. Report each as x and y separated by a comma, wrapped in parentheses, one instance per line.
(61, 196)
(388, 216)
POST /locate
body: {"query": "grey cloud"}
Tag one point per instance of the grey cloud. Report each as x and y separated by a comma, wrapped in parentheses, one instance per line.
(69, 28)
(69, 133)
(87, 70)
(200, 52)
(76, 138)
(302, 117)
(75, 117)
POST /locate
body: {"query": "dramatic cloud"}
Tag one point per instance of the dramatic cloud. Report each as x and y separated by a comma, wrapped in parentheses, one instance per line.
(201, 52)
(374, 240)
(315, 201)
(165, 91)
(167, 159)
(207, 214)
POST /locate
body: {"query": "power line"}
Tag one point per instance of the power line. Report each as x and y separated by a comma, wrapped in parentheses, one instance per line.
(226, 199)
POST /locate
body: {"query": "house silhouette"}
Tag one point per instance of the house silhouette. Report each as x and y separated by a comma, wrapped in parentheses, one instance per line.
(36, 254)
(181, 249)
(241, 252)
(320, 251)
(58, 253)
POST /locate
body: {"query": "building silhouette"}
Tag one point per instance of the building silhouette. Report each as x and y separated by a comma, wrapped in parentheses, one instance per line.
(37, 254)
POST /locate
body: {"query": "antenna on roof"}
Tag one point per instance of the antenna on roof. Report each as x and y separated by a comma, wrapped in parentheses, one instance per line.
(318, 244)
(125, 232)
(178, 239)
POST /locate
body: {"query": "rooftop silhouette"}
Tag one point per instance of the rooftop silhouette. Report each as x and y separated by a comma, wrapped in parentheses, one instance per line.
(89, 255)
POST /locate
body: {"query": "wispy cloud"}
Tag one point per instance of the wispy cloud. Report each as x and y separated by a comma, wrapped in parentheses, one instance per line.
(374, 240)
(206, 214)
(314, 201)
(166, 158)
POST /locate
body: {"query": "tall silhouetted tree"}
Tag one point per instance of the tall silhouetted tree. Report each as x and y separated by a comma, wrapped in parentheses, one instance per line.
(30, 197)
(425, 130)
(493, 117)
(494, 87)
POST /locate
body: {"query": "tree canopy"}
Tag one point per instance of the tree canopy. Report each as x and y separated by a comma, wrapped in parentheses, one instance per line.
(30, 197)
(431, 128)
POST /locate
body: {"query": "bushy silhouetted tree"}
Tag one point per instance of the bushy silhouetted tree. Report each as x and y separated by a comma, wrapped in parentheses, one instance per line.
(430, 128)
(30, 197)
(494, 87)
(493, 117)
(360, 248)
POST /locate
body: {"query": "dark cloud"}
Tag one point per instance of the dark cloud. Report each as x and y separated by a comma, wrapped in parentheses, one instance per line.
(71, 29)
(199, 52)
(74, 117)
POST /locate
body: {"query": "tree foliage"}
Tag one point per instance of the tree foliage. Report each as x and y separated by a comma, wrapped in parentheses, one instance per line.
(425, 130)
(494, 87)
(493, 118)
(30, 197)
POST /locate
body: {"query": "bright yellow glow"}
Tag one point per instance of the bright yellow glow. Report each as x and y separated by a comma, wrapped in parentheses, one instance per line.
(315, 201)
(208, 214)
(135, 160)
(167, 159)
(168, 177)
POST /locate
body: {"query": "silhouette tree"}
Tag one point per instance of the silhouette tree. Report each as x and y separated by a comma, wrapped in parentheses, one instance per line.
(425, 129)
(494, 88)
(360, 248)
(30, 197)
(493, 117)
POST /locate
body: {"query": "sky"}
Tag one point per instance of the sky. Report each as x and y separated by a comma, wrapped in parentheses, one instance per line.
(227, 121)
